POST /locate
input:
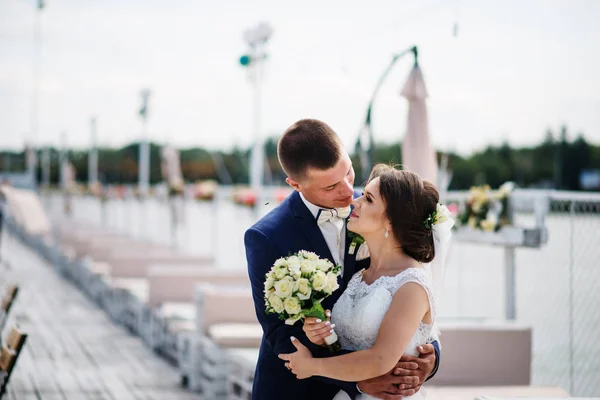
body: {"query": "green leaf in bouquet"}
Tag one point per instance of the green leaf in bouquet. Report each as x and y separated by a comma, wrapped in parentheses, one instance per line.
(316, 311)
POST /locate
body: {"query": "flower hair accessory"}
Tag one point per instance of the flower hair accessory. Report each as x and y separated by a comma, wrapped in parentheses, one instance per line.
(440, 215)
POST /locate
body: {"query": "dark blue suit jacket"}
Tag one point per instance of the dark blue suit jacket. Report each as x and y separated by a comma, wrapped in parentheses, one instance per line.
(284, 231)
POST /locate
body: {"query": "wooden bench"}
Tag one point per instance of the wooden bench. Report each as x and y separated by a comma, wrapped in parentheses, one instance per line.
(226, 318)
(7, 302)
(171, 298)
(127, 296)
(86, 253)
(135, 263)
(94, 244)
(8, 356)
(109, 250)
(15, 340)
(27, 218)
(240, 367)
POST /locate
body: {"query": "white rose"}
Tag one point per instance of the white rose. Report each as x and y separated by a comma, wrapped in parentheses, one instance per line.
(319, 281)
(294, 270)
(324, 265)
(284, 288)
(292, 305)
(281, 272)
(271, 274)
(443, 214)
(332, 282)
(276, 303)
(308, 255)
(307, 267)
(303, 289)
(293, 260)
(269, 283)
(281, 262)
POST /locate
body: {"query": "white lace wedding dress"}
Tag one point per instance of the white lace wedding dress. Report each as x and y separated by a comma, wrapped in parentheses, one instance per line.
(359, 312)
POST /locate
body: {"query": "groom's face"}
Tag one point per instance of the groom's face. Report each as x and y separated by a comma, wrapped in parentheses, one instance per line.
(330, 188)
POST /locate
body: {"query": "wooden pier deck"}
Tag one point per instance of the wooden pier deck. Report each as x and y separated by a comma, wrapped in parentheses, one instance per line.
(74, 352)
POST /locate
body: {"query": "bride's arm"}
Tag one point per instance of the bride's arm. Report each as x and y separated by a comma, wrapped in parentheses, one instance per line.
(409, 305)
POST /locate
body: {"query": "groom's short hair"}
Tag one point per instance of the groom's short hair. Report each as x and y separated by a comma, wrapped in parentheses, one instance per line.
(308, 143)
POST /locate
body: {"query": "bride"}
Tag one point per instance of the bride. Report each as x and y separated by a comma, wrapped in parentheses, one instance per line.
(388, 309)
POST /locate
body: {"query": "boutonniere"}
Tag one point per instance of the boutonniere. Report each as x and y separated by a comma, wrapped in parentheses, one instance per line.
(357, 240)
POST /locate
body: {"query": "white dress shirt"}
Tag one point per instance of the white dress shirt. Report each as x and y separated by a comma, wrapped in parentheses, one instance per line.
(334, 233)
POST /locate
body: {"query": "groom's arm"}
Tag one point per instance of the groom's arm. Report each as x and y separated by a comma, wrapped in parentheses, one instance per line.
(407, 377)
(399, 382)
(261, 254)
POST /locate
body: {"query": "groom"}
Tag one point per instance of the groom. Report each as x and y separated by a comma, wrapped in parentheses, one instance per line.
(320, 171)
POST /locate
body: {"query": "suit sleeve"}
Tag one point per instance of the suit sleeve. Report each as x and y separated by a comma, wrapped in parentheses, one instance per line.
(261, 254)
(436, 346)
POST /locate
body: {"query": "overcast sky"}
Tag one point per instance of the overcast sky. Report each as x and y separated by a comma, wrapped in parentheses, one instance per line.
(515, 69)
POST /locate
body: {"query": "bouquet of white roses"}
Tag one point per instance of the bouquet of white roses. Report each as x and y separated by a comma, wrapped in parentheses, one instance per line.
(296, 285)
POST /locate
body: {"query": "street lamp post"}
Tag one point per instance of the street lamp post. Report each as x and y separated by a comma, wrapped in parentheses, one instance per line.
(365, 143)
(144, 153)
(46, 167)
(63, 162)
(93, 158)
(66, 175)
(31, 158)
(256, 38)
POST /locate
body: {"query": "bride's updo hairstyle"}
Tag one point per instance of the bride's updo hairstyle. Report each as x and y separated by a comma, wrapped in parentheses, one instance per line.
(409, 200)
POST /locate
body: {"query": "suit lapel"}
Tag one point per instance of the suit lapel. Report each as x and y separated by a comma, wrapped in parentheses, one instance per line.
(349, 261)
(309, 227)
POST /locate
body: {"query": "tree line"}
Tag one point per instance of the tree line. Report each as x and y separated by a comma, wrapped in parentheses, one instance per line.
(556, 162)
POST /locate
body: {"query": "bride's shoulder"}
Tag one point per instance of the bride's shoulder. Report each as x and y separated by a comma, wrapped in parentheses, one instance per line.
(421, 275)
(422, 271)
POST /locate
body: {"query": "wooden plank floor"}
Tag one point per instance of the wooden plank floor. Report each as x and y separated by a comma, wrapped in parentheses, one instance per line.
(74, 351)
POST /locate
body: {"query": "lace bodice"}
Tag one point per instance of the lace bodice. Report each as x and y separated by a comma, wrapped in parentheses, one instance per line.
(360, 310)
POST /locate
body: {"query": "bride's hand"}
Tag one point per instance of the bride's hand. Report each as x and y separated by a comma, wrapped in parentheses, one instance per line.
(317, 330)
(301, 363)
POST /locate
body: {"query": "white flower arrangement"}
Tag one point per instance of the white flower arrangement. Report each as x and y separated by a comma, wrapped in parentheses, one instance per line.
(487, 210)
(296, 285)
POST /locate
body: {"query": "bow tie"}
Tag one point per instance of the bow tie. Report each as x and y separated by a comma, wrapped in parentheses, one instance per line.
(328, 215)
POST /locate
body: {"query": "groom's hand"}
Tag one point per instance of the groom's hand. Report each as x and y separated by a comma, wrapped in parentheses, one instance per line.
(405, 379)
(383, 387)
(425, 364)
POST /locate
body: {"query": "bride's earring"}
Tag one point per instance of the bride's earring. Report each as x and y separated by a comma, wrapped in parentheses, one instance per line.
(387, 233)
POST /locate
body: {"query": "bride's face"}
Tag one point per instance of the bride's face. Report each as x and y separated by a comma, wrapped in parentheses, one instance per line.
(368, 215)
